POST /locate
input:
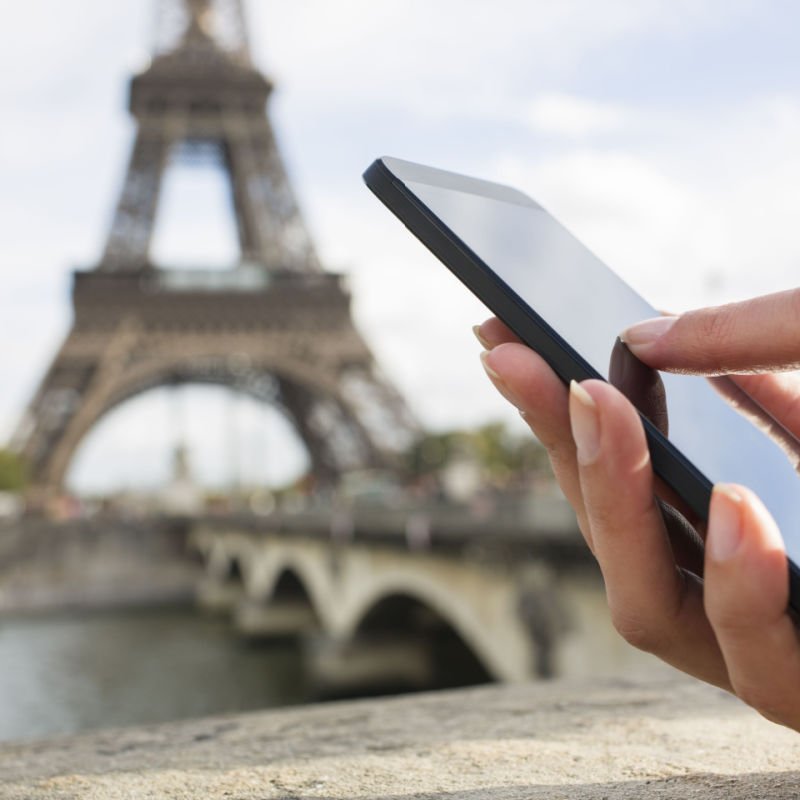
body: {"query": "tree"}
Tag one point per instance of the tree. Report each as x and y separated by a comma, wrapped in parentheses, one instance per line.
(13, 475)
(500, 454)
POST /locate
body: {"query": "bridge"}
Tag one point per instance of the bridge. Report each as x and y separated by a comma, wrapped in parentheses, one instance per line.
(414, 597)
(418, 595)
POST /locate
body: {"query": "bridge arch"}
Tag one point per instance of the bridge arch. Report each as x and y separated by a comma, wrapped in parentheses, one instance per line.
(290, 588)
(228, 564)
(465, 614)
(289, 585)
(452, 661)
(271, 564)
(235, 572)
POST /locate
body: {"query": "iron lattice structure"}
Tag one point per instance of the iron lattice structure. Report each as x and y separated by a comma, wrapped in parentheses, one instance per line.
(277, 326)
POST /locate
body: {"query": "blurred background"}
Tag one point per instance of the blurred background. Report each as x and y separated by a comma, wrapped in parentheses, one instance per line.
(193, 523)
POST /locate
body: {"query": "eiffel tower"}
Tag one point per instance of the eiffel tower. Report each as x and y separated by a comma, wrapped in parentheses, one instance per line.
(276, 326)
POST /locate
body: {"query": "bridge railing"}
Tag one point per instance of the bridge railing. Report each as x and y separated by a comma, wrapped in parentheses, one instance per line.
(515, 520)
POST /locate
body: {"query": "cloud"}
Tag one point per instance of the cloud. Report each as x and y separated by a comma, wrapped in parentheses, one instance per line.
(357, 47)
(576, 117)
(632, 214)
(702, 212)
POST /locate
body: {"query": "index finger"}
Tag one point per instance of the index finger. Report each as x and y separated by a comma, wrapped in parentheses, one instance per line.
(492, 332)
(757, 335)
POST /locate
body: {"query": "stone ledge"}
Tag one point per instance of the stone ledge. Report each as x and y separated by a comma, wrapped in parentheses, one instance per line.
(670, 739)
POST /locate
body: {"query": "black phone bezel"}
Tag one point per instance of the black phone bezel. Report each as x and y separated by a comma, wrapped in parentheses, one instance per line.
(669, 463)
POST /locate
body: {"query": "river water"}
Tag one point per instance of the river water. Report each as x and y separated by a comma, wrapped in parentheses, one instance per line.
(64, 674)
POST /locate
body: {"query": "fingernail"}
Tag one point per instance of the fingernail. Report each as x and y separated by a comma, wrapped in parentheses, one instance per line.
(647, 332)
(489, 371)
(501, 385)
(585, 423)
(476, 329)
(725, 523)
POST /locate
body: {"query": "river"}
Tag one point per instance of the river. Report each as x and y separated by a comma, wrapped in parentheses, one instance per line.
(68, 673)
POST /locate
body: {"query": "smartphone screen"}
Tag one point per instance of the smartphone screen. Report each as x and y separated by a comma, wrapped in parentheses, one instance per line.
(544, 268)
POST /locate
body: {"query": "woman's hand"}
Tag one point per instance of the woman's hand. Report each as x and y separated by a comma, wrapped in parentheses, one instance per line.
(729, 627)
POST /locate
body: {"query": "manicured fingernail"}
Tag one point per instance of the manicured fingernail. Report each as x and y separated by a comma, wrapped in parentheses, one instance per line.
(476, 329)
(585, 423)
(645, 333)
(725, 523)
(499, 383)
(489, 371)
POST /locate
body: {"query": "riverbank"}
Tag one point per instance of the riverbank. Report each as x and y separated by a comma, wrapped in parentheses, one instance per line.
(94, 564)
(669, 739)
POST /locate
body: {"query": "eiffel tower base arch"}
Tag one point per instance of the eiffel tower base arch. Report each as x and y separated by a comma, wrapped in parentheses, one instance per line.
(289, 342)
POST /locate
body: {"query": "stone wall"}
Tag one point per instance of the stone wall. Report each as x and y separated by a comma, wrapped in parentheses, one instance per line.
(669, 739)
(98, 563)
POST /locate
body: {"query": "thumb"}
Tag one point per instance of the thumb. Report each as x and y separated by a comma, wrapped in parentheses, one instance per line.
(746, 596)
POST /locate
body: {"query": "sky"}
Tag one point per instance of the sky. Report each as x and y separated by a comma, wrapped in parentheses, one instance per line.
(664, 133)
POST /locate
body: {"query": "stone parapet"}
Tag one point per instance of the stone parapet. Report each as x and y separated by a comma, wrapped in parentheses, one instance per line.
(666, 739)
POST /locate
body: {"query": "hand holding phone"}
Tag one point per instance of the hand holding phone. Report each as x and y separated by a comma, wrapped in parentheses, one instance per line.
(731, 627)
(720, 615)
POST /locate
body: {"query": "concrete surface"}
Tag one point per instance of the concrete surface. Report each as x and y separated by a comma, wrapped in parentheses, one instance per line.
(672, 739)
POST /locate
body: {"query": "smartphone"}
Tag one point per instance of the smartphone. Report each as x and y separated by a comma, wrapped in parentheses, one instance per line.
(565, 303)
